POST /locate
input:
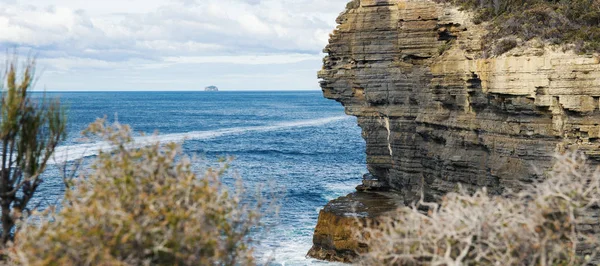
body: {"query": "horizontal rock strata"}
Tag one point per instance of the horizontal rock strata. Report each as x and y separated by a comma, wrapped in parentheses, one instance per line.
(335, 236)
(436, 113)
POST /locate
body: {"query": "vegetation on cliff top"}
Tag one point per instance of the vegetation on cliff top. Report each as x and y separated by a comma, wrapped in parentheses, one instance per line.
(545, 224)
(564, 22)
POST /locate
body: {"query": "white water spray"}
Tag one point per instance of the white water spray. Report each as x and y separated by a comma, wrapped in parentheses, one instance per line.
(75, 152)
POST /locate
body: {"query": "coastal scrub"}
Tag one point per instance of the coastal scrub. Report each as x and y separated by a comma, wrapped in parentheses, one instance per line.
(545, 224)
(143, 206)
(30, 130)
(574, 23)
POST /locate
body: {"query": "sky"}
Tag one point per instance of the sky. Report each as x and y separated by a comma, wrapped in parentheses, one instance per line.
(170, 45)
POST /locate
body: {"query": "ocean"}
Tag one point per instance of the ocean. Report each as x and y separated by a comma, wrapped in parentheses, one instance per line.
(298, 145)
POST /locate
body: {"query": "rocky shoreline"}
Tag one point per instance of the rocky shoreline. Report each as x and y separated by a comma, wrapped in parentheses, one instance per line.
(335, 235)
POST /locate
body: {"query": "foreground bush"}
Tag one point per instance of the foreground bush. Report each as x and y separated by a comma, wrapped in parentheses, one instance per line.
(30, 129)
(142, 206)
(541, 225)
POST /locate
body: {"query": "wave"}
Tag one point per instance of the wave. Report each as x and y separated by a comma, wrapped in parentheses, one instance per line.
(75, 152)
(253, 151)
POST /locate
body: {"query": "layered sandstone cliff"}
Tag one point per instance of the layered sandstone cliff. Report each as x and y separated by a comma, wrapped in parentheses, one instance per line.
(436, 112)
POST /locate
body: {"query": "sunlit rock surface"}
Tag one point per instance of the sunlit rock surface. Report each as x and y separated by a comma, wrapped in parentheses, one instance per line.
(436, 113)
(335, 238)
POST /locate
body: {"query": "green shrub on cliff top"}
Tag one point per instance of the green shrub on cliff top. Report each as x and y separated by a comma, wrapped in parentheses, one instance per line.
(571, 22)
(142, 206)
(545, 224)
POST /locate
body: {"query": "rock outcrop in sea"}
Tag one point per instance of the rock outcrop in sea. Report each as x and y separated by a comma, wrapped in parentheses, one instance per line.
(211, 88)
(435, 112)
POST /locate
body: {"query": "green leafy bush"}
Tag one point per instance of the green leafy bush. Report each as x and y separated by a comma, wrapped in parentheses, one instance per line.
(142, 206)
(542, 225)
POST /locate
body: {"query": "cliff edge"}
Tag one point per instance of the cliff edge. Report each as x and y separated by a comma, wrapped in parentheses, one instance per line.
(436, 113)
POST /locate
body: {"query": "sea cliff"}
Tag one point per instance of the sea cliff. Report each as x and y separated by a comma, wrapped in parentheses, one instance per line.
(436, 111)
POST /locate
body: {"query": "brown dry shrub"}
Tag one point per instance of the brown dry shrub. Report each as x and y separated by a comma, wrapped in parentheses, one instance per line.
(541, 225)
(142, 205)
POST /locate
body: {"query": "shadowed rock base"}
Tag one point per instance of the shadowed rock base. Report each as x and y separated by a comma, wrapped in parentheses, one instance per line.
(335, 236)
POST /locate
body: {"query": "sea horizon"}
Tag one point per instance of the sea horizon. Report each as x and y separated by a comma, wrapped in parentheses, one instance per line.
(201, 90)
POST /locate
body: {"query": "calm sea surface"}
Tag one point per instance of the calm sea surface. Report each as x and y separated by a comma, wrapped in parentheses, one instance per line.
(299, 144)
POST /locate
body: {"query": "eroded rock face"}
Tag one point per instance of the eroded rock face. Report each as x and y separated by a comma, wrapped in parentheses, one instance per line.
(436, 113)
(335, 236)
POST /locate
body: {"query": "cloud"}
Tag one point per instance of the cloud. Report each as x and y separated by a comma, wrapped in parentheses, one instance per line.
(71, 35)
(246, 60)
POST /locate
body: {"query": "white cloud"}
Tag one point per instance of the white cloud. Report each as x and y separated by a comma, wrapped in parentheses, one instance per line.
(74, 35)
(245, 59)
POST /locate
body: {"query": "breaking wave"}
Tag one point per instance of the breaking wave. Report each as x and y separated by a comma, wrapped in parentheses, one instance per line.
(75, 152)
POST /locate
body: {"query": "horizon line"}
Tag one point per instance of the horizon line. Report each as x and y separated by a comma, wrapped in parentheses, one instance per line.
(310, 90)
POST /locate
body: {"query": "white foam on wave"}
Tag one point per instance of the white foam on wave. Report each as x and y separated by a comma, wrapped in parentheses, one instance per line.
(292, 252)
(75, 152)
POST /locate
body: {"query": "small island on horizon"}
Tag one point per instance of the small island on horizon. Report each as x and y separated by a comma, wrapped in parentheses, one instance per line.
(211, 88)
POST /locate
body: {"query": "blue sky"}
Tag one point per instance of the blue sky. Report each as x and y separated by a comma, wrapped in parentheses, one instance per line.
(89, 45)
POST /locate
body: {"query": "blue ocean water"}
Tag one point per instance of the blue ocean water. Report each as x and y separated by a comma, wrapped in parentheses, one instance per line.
(299, 144)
